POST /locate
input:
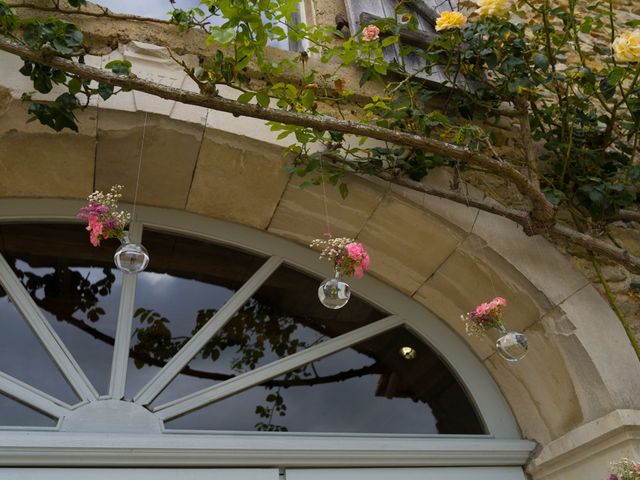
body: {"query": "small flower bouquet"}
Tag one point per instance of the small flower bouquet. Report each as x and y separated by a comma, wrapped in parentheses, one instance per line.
(624, 469)
(349, 257)
(485, 316)
(102, 216)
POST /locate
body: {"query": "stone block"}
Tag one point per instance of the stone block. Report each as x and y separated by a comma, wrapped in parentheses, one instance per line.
(36, 161)
(474, 274)
(300, 215)
(535, 257)
(169, 155)
(239, 182)
(406, 244)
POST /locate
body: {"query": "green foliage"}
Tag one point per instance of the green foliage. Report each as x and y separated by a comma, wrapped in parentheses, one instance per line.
(583, 107)
(64, 39)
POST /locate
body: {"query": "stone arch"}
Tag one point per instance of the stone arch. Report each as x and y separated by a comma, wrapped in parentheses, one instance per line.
(581, 368)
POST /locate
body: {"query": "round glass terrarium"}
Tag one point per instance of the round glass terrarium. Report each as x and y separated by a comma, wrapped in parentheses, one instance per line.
(512, 346)
(334, 293)
(131, 257)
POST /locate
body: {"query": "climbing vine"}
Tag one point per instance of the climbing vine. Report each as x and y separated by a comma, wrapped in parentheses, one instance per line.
(567, 79)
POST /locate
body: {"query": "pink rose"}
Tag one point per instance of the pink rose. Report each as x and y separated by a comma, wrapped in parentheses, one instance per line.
(370, 33)
(499, 301)
(358, 271)
(355, 250)
(365, 261)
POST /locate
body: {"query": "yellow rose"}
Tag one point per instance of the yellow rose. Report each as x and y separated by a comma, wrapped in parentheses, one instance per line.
(448, 20)
(492, 8)
(627, 47)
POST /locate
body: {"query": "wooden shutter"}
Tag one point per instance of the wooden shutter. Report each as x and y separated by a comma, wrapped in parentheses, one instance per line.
(385, 9)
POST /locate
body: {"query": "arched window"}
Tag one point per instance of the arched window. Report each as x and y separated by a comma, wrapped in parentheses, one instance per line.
(223, 335)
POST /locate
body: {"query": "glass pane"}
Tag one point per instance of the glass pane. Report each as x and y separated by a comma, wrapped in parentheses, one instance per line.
(75, 285)
(186, 283)
(369, 388)
(284, 316)
(23, 357)
(15, 414)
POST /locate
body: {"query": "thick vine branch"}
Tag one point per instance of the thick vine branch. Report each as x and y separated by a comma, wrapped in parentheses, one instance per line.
(539, 220)
(542, 212)
(558, 231)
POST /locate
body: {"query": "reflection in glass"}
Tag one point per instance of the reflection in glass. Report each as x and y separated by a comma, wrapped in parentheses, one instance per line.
(369, 388)
(75, 285)
(15, 414)
(23, 357)
(283, 317)
(185, 284)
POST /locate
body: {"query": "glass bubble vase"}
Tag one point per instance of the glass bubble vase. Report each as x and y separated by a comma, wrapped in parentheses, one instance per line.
(333, 293)
(512, 346)
(131, 257)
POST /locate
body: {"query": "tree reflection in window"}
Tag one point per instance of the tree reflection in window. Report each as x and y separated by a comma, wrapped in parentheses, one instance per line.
(75, 285)
(369, 388)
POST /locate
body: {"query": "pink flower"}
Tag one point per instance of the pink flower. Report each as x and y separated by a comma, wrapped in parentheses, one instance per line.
(355, 250)
(481, 310)
(613, 476)
(358, 271)
(370, 33)
(95, 229)
(365, 261)
(499, 301)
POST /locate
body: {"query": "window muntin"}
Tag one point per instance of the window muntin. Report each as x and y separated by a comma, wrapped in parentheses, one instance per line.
(15, 414)
(24, 358)
(234, 386)
(76, 286)
(187, 281)
(281, 318)
(368, 388)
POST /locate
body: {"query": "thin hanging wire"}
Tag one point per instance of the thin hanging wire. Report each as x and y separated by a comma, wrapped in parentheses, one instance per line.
(135, 195)
(324, 200)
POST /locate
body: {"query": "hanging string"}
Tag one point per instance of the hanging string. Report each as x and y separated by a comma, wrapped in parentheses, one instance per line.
(135, 195)
(324, 199)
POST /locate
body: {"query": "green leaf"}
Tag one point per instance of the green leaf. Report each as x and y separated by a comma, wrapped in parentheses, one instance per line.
(308, 99)
(344, 190)
(223, 35)
(616, 75)
(119, 67)
(246, 97)
(541, 61)
(105, 91)
(263, 99)
(74, 85)
(390, 40)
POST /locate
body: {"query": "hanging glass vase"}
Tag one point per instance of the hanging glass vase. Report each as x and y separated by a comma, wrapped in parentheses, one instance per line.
(334, 293)
(131, 257)
(512, 346)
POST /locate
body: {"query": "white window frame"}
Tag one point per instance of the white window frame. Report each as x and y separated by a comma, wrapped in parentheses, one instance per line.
(502, 446)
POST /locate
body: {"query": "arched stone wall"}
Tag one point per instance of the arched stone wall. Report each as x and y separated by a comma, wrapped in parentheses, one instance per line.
(580, 382)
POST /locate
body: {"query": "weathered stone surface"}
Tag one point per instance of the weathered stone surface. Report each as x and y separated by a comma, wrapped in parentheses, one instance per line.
(407, 245)
(36, 161)
(535, 257)
(169, 155)
(605, 345)
(240, 182)
(455, 213)
(474, 274)
(301, 214)
(538, 388)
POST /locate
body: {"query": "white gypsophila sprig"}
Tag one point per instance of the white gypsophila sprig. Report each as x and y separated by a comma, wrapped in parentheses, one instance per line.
(331, 248)
(471, 328)
(111, 199)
